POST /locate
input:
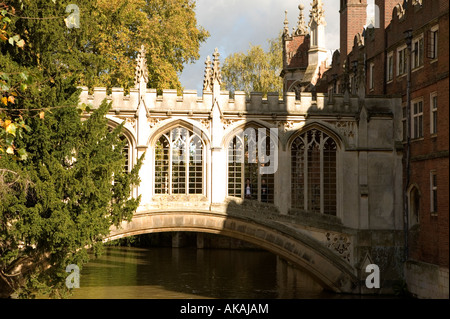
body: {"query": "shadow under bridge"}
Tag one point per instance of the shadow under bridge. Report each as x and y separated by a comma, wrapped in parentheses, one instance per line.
(305, 252)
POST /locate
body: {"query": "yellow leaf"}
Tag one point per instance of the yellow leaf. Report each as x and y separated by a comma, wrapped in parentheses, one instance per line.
(11, 99)
(11, 129)
(41, 114)
(10, 150)
(6, 123)
(5, 100)
(20, 43)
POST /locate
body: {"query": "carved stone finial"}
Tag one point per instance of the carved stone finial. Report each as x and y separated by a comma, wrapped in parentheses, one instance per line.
(286, 25)
(208, 75)
(141, 68)
(217, 74)
(301, 26)
(317, 14)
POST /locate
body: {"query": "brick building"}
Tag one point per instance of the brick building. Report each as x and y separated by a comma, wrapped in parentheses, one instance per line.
(373, 61)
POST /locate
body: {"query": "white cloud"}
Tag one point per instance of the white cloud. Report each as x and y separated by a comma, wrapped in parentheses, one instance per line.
(234, 24)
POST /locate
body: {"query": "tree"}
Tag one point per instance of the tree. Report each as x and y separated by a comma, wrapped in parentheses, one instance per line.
(68, 191)
(64, 198)
(255, 70)
(168, 29)
(10, 127)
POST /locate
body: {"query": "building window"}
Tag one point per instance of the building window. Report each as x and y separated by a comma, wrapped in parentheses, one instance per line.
(417, 52)
(433, 192)
(433, 118)
(433, 42)
(179, 163)
(245, 160)
(372, 75)
(417, 118)
(126, 152)
(401, 60)
(313, 164)
(390, 67)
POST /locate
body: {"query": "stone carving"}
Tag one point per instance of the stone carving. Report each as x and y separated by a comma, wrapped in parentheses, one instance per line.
(132, 121)
(284, 125)
(141, 68)
(217, 74)
(339, 243)
(317, 14)
(205, 123)
(152, 121)
(346, 128)
(286, 25)
(400, 10)
(287, 125)
(208, 75)
(301, 27)
(227, 123)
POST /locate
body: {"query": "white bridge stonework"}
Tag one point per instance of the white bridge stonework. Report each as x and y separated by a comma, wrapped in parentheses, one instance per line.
(367, 226)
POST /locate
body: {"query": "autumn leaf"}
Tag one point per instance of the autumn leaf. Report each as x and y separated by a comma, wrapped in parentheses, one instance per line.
(10, 150)
(5, 100)
(11, 129)
(11, 99)
(20, 43)
(41, 114)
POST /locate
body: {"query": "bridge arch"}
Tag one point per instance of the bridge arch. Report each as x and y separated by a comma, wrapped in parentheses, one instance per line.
(331, 271)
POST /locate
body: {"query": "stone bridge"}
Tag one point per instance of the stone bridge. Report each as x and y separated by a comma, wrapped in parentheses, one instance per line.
(324, 249)
(315, 179)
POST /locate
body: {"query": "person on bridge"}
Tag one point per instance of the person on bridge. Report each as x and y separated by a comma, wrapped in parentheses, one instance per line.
(248, 189)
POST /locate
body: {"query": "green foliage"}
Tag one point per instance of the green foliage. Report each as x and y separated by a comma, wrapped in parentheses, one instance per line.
(168, 29)
(62, 183)
(255, 70)
(65, 197)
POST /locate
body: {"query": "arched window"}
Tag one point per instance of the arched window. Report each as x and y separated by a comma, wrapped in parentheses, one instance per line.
(248, 152)
(126, 152)
(313, 164)
(179, 163)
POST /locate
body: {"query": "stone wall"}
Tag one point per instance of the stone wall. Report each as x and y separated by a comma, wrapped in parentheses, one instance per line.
(427, 280)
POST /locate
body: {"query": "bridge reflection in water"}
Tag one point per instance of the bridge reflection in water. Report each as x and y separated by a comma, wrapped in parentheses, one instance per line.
(173, 273)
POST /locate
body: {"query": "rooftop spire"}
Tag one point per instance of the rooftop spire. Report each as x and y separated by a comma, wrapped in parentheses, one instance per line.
(217, 74)
(317, 14)
(141, 68)
(208, 75)
(286, 25)
(301, 27)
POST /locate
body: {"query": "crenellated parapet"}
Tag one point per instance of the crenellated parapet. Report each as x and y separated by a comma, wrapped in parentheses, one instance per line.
(190, 101)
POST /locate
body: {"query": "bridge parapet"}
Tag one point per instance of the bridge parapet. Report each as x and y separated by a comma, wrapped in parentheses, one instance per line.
(190, 101)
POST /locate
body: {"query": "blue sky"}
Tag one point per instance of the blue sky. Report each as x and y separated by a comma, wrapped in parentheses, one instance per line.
(234, 24)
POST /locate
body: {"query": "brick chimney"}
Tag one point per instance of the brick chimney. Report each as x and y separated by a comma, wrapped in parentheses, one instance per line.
(353, 17)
